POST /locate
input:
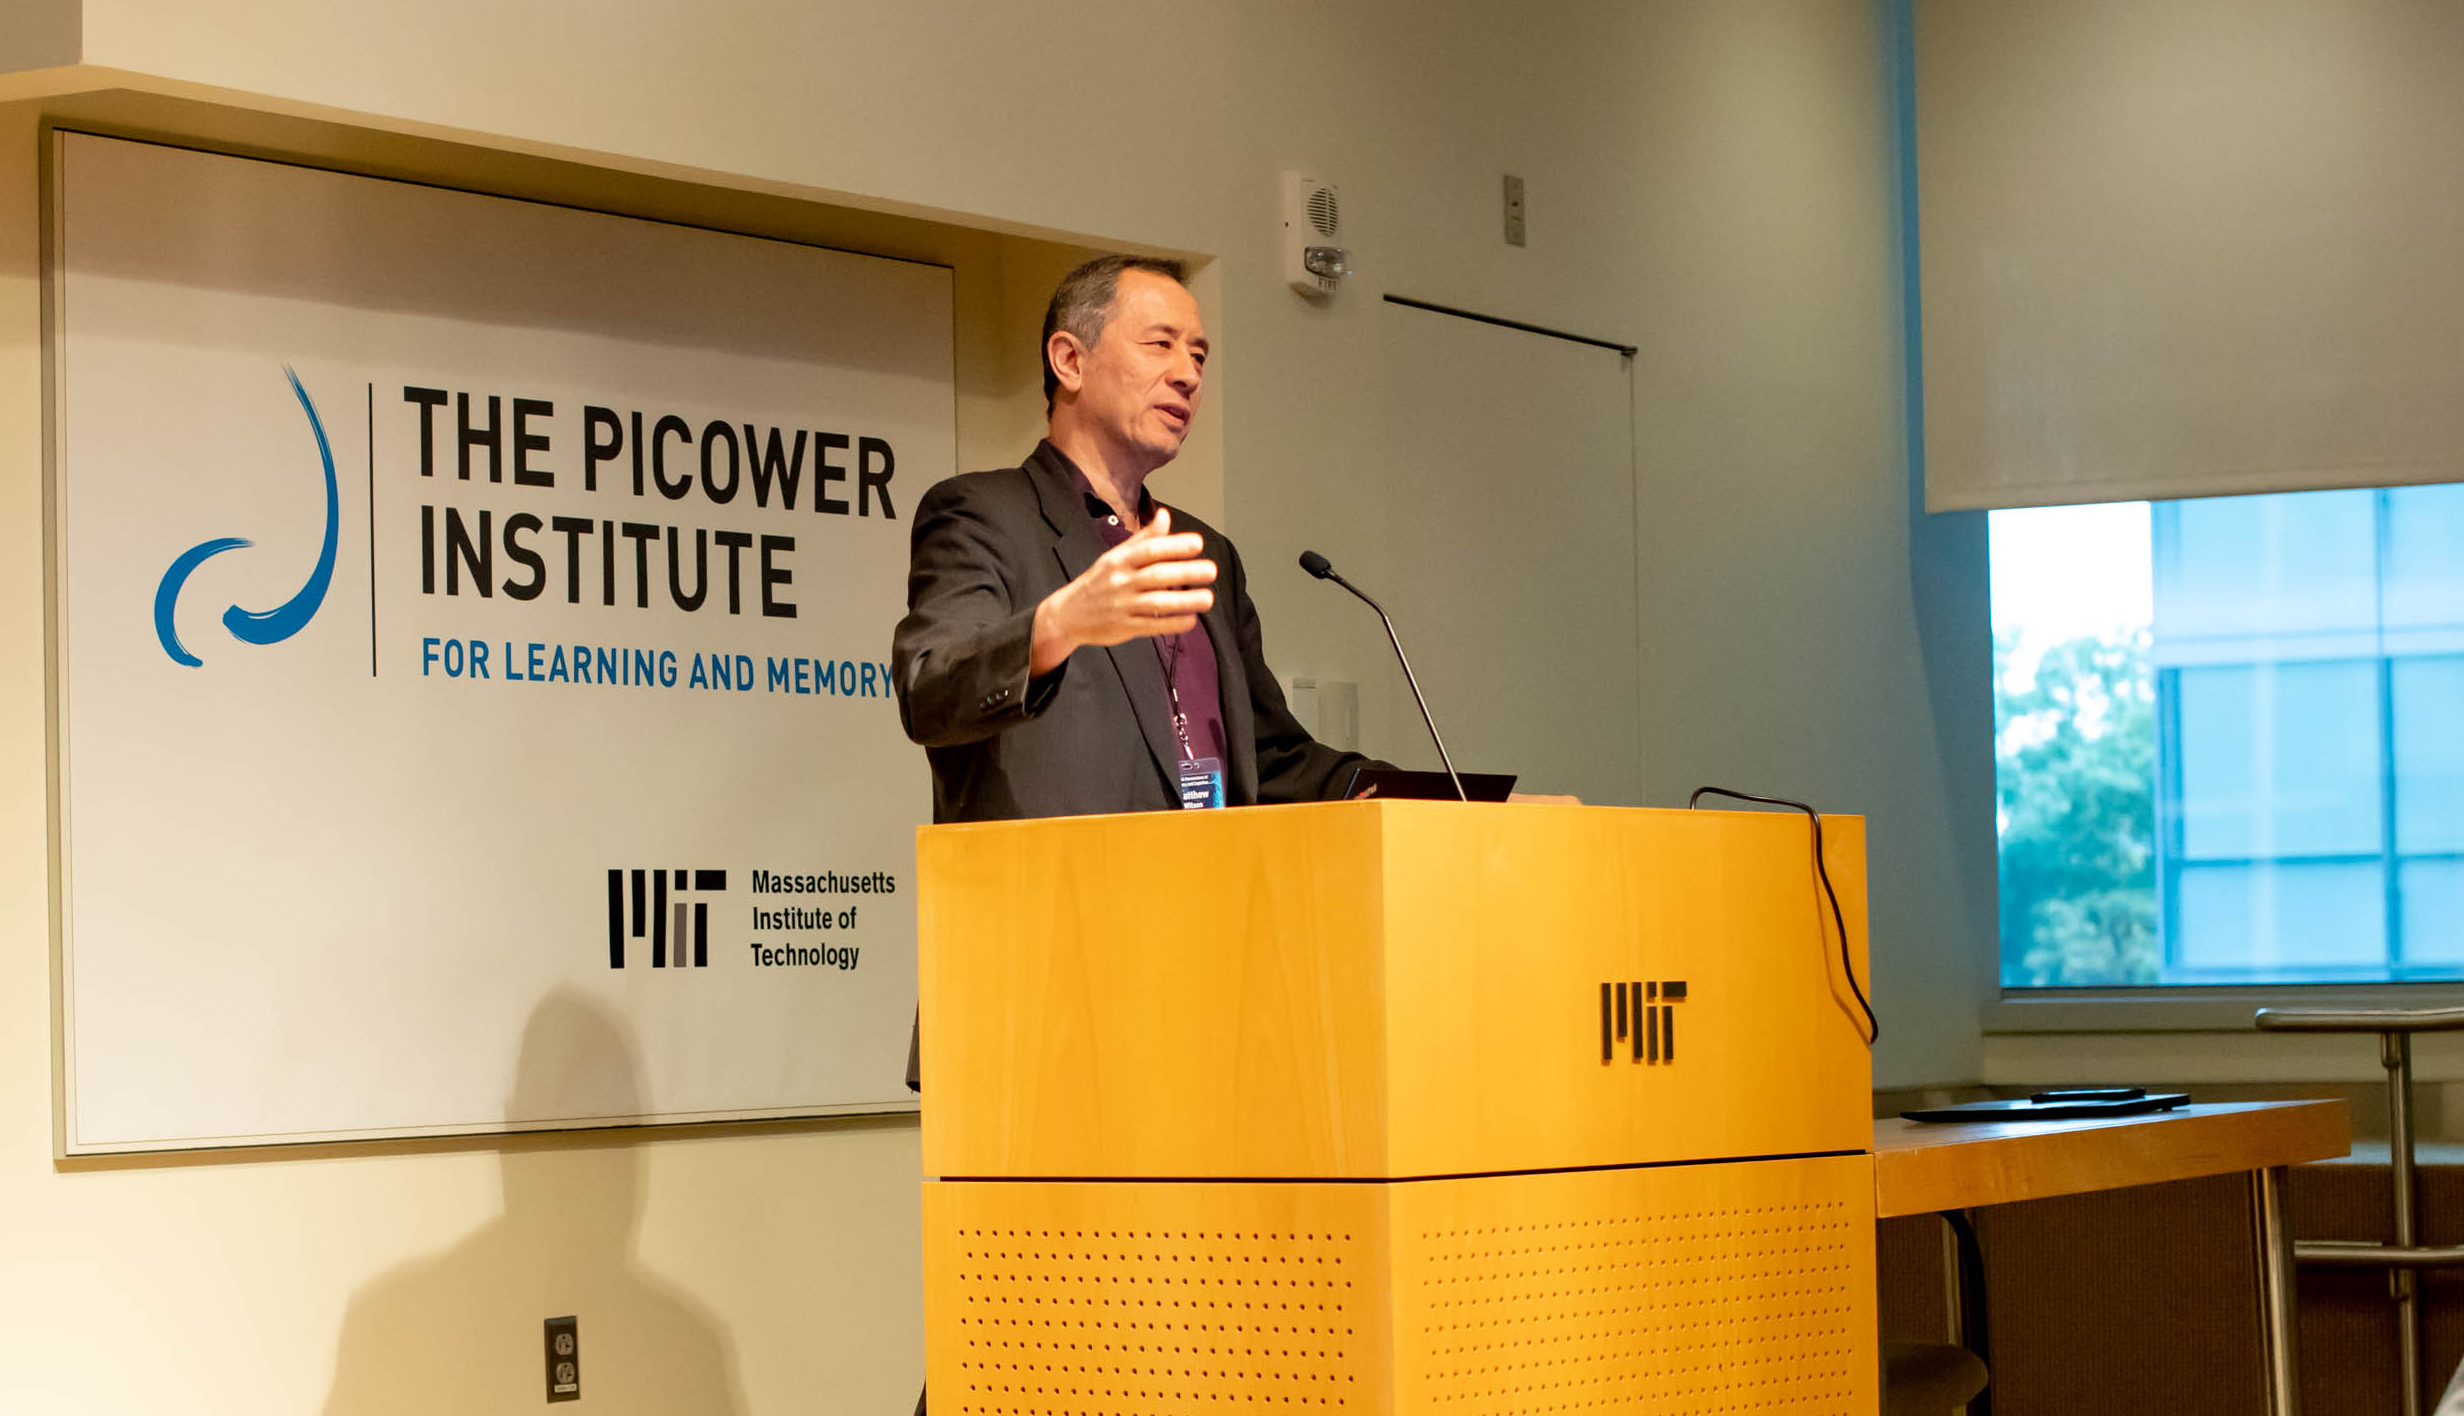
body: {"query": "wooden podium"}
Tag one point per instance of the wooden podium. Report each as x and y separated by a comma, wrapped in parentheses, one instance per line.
(1395, 1107)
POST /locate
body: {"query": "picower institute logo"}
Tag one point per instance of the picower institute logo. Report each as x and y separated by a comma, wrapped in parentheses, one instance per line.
(256, 626)
(643, 911)
(1643, 1015)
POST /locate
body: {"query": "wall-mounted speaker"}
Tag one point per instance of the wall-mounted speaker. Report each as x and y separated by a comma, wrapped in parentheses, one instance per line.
(1314, 260)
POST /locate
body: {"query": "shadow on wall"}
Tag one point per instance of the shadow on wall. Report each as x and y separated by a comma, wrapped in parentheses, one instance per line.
(460, 1331)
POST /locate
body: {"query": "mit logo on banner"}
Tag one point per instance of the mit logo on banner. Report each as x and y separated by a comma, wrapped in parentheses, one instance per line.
(645, 908)
(1642, 1015)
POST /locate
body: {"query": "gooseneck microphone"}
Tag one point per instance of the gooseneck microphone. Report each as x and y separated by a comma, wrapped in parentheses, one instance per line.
(1319, 566)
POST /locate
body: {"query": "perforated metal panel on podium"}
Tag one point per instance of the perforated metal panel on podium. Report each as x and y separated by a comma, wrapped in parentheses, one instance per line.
(1395, 1107)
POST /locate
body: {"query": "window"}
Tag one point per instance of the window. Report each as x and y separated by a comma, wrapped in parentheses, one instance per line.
(2229, 739)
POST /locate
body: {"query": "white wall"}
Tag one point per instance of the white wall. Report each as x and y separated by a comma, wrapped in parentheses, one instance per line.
(1708, 179)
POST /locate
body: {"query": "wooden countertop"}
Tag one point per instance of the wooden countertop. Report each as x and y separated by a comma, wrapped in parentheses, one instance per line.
(1923, 1167)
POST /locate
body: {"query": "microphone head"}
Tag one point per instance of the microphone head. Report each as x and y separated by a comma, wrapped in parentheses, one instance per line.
(1316, 564)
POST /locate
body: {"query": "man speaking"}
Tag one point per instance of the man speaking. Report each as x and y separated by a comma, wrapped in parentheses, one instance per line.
(1071, 645)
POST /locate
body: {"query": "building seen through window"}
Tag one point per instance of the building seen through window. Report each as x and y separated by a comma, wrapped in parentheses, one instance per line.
(2229, 739)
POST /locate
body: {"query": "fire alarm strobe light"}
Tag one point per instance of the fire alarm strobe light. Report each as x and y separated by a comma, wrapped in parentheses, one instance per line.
(1314, 260)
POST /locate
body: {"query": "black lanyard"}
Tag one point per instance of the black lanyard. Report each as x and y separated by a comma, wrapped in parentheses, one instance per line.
(1171, 662)
(1172, 665)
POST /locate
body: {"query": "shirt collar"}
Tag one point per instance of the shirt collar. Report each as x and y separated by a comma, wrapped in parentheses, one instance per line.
(1096, 506)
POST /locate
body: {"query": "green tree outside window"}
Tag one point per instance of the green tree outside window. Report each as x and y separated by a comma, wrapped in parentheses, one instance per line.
(2075, 804)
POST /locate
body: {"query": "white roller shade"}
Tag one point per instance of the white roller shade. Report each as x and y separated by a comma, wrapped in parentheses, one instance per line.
(2177, 248)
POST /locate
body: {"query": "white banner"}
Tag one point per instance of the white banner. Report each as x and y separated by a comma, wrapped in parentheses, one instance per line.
(463, 601)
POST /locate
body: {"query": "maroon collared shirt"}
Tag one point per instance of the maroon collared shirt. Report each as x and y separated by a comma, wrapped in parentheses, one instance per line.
(1188, 659)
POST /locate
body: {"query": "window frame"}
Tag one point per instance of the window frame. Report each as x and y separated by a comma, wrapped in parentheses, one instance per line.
(2191, 1008)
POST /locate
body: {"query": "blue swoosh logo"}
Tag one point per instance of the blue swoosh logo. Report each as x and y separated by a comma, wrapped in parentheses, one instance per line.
(257, 626)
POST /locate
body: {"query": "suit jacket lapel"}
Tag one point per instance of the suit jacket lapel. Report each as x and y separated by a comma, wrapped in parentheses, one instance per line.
(1232, 677)
(1077, 545)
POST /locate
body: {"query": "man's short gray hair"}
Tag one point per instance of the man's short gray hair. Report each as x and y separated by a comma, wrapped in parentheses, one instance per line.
(1083, 304)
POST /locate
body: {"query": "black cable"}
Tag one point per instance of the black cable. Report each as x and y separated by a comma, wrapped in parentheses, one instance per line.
(1873, 1025)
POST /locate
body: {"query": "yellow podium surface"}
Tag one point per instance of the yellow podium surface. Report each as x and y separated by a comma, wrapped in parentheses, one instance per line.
(1395, 1107)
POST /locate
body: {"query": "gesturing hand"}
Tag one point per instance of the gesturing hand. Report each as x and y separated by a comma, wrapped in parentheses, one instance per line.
(1152, 583)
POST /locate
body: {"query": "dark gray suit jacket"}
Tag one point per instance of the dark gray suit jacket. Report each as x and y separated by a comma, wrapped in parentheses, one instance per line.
(1096, 734)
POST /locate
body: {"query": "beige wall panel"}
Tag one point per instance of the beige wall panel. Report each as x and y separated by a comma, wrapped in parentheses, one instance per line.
(1663, 1292)
(1500, 929)
(1217, 1014)
(1385, 989)
(1668, 1291)
(1155, 1299)
(37, 34)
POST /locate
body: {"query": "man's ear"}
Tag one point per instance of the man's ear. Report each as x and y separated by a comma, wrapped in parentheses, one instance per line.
(1067, 358)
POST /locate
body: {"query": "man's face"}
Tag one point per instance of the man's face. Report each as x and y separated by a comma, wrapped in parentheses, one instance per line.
(1139, 385)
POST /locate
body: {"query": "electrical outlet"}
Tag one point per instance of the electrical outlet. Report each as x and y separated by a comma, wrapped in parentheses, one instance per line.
(564, 1339)
(1514, 211)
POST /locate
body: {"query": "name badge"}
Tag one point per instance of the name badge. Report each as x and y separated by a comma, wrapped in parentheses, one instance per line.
(1201, 783)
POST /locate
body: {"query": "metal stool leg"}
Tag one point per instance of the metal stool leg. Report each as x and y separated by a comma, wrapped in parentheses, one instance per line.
(2405, 1256)
(2279, 1340)
(2396, 1055)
